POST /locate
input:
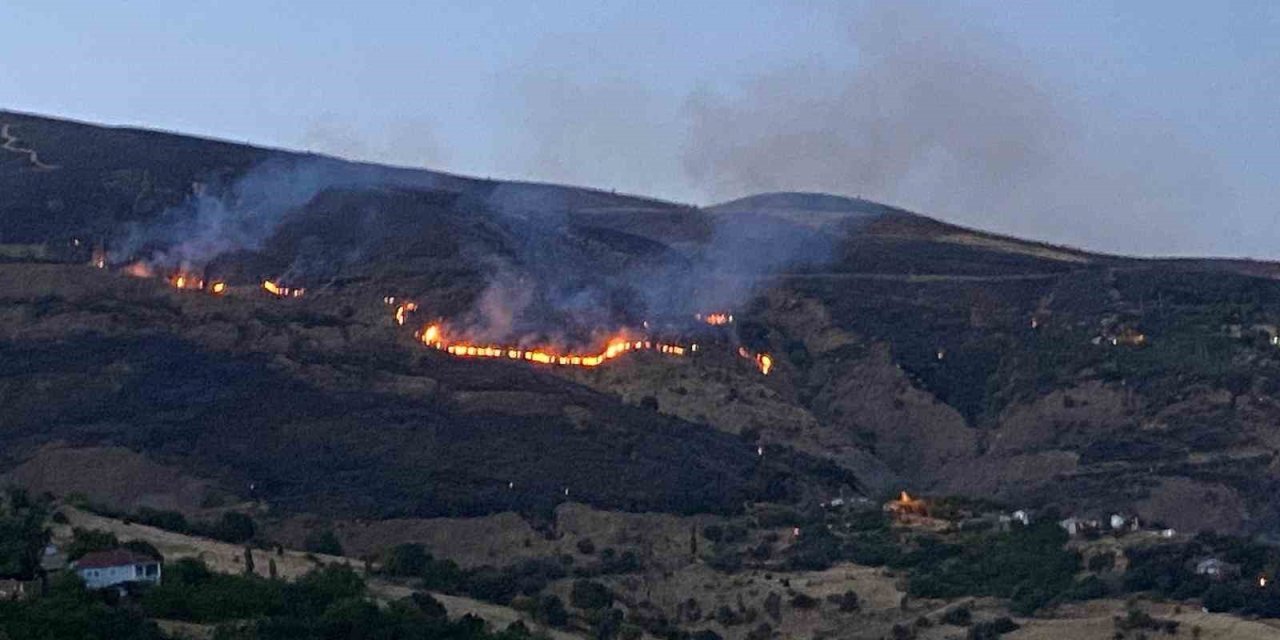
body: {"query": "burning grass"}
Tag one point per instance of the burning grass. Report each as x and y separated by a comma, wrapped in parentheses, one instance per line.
(435, 336)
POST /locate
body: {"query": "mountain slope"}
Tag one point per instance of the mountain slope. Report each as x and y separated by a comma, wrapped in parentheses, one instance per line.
(908, 352)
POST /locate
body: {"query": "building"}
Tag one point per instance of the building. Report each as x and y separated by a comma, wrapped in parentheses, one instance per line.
(117, 567)
(52, 559)
(1217, 569)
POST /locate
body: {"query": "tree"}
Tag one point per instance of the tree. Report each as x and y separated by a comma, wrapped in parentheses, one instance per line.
(551, 611)
(234, 527)
(589, 594)
(324, 541)
(406, 560)
(429, 606)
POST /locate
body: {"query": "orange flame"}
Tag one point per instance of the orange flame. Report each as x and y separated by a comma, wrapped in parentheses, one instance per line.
(218, 288)
(762, 361)
(403, 311)
(433, 336)
(182, 280)
(280, 291)
(716, 319)
(138, 270)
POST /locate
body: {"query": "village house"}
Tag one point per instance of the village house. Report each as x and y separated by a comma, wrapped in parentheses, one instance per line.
(1217, 569)
(1079, 526)
(116, 568)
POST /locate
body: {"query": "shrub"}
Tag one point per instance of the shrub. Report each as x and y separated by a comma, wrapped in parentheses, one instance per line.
(1222, 598)
(1102, 562)
(803, 601)
(551, 611)
(406, 560)
(88, 540)
(586, 546)
(233, 527)
(167, 520)
(846, 602)
(958, 617)
(323, 541)
(589, 594)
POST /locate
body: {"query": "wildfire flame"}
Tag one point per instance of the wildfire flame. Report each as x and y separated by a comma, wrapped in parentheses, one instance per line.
(280, 291)
(186, 281)
(403, 311)
(717, 319)
(138, 270)
(762, 361)
(433, 336)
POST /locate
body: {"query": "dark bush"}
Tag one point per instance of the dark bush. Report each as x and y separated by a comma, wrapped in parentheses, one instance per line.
(406, 560)
(845, 602)
(589, 594)
(323, 541)
(803, 601)
(233, 527)
(551, 611)
(958, 617)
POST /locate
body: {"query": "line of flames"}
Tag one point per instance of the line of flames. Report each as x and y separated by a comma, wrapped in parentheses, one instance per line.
(433, 336)
(188, 282)
(715, 319)
(280, 291)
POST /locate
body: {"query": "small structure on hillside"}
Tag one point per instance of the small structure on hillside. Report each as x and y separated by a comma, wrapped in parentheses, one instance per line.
(116, 568)
(1079, 526)
(1217, 569)
(52, 559)
(1122, 523)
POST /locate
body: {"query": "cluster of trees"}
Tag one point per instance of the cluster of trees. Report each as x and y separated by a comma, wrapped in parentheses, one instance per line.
(68, 610)
(1027, 565)
(1169, 570)
(527, 577)
(22, 534)
(328, 602)
(232, 526)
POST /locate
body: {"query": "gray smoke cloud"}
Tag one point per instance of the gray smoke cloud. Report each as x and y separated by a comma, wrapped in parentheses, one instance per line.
(927, 114)
(218, 218)
(952, 122)
(225, 214)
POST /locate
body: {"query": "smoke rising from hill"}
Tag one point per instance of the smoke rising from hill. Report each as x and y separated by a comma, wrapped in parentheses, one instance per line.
(925, 113)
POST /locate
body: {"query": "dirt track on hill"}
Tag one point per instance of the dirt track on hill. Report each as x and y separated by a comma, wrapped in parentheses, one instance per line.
(11, 144)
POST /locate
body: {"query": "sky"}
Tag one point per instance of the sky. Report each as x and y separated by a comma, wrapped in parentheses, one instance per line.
(1138, 127)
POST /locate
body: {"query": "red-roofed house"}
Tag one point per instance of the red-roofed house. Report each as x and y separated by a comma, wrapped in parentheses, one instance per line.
(103, 569)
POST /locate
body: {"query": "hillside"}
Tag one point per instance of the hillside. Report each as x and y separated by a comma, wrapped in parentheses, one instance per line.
(909, 353)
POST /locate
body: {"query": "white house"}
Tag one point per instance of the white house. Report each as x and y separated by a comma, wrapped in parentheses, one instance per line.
(104, 569)
(1215, 568)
